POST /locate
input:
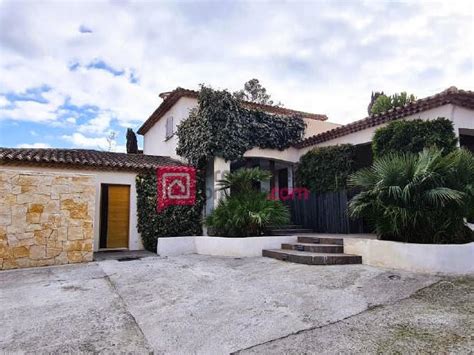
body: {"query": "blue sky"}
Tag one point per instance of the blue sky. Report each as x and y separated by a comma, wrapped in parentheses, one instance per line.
(71, 72)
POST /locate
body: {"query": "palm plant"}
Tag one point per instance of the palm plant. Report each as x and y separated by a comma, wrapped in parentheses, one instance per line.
(245, 211)
(419, 198)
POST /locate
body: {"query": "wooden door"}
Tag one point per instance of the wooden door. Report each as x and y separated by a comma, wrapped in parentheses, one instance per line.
(118, 213)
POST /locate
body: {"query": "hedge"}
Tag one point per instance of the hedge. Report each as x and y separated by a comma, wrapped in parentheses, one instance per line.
(413, 136)
(326, 169)
(173, 221)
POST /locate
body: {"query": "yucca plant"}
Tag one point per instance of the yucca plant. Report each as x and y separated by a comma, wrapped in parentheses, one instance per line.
(245, 211)
(420, 198)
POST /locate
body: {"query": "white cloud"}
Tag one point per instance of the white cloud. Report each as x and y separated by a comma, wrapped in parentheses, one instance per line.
(34, 145)
(97, 125)
(98, 143)
(319, 57)
(3, 101)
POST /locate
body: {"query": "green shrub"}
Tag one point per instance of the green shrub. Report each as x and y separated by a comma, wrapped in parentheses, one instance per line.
(384, 103)
(417, 198)
(173, 221)
(326, 168)
(244, 211)
(413, 136)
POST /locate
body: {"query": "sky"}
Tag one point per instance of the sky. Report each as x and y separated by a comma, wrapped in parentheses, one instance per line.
(72, 72)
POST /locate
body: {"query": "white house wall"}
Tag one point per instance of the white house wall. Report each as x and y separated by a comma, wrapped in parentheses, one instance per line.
(462, 118)
(314, 127)
(103, 177)
(155, 142)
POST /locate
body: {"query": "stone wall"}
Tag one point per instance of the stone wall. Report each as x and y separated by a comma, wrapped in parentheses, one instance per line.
(45, 218)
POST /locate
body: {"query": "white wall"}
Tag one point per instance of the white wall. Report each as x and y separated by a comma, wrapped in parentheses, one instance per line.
(219, 246)
(289, 155)
(155, 142)
(462, 117)
(456, 259)
(103, 177)
(314, 127)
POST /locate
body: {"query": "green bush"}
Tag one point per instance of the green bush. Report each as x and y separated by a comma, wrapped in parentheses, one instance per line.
(244, 211)
(384, 103)
(326, 168)
(173, 221)
(417, 198)
(413, 136)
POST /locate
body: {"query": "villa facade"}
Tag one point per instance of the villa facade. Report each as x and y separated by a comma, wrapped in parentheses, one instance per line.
(43, 189)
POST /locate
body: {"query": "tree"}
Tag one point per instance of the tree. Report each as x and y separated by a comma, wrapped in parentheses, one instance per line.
(417, 198)
(132, 145)
(384, 103)
(373, 98)
(254, 92)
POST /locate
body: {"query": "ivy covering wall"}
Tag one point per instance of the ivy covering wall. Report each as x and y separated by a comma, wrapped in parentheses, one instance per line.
(219, 126)
(413, 136)
(173, 221)
(222, 126)
(326, 169)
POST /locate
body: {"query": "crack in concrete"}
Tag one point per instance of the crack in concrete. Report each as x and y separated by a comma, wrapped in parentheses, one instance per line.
(368, 309)
(125, 307)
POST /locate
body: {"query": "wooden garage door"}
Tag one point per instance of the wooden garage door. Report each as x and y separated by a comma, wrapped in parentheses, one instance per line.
(117, 215)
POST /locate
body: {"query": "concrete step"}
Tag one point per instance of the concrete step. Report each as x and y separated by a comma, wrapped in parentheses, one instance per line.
(304, 257)
(321, 240)
(289, 231)
(315, 248)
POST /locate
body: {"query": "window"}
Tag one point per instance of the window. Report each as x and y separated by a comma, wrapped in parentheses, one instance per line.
(169, 127)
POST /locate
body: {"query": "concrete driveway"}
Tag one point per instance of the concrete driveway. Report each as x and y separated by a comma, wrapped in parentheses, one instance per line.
(211, 305)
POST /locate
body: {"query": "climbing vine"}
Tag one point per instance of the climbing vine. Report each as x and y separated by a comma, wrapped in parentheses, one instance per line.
(172, 221)
(222, 126)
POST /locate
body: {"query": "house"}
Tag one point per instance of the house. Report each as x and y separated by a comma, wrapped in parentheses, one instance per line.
(159, 133)
(60, 205)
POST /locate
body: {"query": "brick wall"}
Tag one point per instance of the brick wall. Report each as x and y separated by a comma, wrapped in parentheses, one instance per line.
(45, 218)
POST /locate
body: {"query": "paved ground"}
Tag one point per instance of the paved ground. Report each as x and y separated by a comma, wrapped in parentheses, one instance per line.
(210, 305)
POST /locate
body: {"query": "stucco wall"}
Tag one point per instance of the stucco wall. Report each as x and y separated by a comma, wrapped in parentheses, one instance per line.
(218, 246)
(155, 142)
(103, 177)
(45, 218)
(454, 259)
(314, 127)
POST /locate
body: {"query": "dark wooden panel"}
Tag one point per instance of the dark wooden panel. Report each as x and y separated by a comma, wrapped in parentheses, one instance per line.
(326, 213)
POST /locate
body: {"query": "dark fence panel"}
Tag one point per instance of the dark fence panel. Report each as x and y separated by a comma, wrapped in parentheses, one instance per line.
(325, 213)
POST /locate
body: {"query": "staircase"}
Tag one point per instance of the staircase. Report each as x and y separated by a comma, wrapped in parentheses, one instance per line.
(290, 229)
(314, 251)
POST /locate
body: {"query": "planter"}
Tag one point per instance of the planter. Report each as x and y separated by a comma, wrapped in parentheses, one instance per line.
(219, 246)
(453, 259)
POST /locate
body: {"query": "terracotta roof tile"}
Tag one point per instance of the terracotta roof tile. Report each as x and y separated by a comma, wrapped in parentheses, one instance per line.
(83, 158)
(170, 98)
(450, 96)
